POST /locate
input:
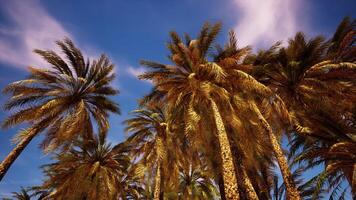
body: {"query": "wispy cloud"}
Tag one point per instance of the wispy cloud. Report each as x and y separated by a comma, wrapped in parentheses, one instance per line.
(261, 23)
(136, 71)
(32, 27)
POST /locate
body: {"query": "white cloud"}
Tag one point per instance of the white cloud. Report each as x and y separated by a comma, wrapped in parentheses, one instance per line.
(135, 72)
(263, 22)
(33, 28)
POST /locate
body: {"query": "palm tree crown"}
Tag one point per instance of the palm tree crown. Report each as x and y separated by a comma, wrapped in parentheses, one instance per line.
(61, 101)
(92, 171)
(65, 98)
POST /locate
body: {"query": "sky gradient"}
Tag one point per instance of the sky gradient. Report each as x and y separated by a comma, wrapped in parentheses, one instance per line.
(128, 31)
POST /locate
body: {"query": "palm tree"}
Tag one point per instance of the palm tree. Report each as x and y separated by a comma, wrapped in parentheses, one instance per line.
(133, 188)
(331, 143)
(22, 195)
(342, 44)
(241, 145)
(311, 75)
(191, 86)
(130, 184)
(302, 77)
(61, 101)
(152, 140)
(258, 100)
(89, 171)
(195, 183)
(28, 194)
(270, 110)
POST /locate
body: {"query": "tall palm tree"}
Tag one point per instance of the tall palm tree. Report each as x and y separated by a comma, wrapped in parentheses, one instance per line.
(191, 86)
(310, 75)
(212, 158)
(151, 139)
(259, 101)
(270, 110)
(61, 101)
(89, 171)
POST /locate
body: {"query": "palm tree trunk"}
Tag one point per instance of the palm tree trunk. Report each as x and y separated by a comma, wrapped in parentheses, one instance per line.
(241, 171)
(246, 182)
(229, 175)
(157, 191)
(7, 162)
(292, 192)
(160, 154)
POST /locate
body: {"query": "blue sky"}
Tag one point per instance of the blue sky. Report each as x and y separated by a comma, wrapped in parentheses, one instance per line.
(128, 31)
